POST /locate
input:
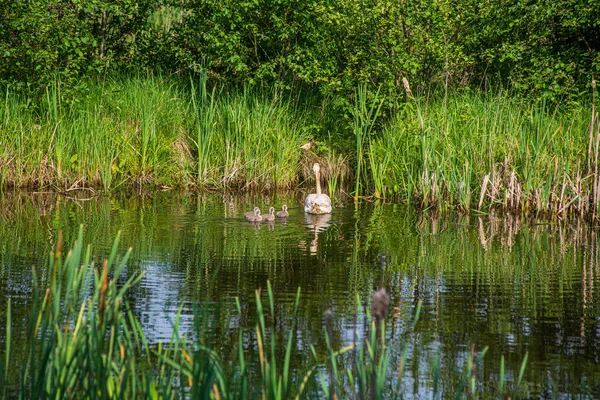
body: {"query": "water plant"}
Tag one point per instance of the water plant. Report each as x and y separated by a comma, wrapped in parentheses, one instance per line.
(365, 113)
(205, 119)
(150, 131)
(84, 341)
(488, 151)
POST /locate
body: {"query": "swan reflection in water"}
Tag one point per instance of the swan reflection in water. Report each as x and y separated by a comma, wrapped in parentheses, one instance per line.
(317, 223)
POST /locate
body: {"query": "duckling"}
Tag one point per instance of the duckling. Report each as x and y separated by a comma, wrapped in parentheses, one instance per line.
(270, 216)
(251, 214)
(284, 213)
(257, 217)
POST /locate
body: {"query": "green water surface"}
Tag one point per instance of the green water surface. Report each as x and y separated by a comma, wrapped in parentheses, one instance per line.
(517, 287)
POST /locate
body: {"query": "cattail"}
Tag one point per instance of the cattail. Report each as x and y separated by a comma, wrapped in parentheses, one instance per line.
(103, 288)
(328, 315)
(406, 87)
(381, 303)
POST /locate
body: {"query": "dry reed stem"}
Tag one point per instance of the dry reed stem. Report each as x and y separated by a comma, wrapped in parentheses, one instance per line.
(486, 180)
(407, 88)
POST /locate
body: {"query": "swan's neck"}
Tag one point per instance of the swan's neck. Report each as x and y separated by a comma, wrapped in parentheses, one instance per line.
(318, 177)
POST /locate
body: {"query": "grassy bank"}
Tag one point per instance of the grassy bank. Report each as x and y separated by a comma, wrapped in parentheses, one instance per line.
(84, 341)
(150, 131)
(463, 150)
(481, 152)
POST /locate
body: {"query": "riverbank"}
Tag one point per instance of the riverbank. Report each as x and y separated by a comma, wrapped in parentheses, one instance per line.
(463, 150)
(150, 132)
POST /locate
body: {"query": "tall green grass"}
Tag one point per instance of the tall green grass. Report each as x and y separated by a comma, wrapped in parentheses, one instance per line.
(488, 151)
(463, 150)
(365, 113)
(150, 131)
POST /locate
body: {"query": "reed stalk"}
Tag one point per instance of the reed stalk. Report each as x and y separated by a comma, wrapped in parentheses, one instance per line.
(364, 118)
(205, 114)
(151, 131)
(487, 151)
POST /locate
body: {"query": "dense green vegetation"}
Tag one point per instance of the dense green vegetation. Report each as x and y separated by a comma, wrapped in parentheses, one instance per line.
(149, 130)
(542, 47)
(464, 150)
(483, 151)
(484, 104)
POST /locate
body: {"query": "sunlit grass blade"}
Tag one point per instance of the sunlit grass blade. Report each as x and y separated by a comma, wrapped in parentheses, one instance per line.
(522, 369)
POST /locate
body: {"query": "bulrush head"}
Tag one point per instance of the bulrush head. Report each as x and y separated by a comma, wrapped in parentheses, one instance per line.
(381, 303)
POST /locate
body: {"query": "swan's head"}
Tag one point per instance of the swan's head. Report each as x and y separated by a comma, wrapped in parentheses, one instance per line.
(316, 168)
(271, 210)
(284, 207)
(256, 211)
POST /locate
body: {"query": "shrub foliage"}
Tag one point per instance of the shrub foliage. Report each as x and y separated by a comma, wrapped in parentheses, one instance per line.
(538, 47)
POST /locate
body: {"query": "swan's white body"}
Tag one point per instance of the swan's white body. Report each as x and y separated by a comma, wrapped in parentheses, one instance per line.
(317, 203)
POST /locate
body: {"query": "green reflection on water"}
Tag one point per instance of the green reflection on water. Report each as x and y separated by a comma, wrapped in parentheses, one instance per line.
(486, 281)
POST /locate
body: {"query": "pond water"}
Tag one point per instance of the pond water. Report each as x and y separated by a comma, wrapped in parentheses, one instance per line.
(518, 288)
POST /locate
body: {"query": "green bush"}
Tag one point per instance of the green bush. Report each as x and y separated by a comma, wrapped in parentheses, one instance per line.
(42, 41)
(540, 48)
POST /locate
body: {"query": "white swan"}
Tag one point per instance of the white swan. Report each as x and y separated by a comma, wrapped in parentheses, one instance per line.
(318, 203)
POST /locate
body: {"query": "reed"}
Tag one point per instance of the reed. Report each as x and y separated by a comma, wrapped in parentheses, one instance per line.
(365, 113)
(205, 114)
(489, 151)
(80, 342)
(150, 131)
(462, 150)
